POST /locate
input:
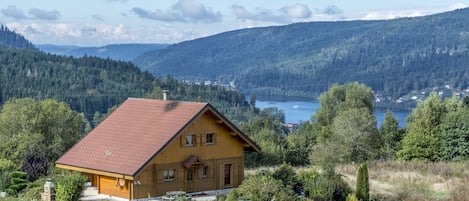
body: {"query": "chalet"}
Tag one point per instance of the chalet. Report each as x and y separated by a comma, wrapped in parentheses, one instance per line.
(149, 147)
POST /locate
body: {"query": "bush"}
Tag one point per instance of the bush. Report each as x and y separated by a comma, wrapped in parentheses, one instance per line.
(287, 175)
(34, 190)
(326, 186)
(17, 182)
(35, 164)
(261, 188)
(351, 197)
(69, 187)
(6, 166)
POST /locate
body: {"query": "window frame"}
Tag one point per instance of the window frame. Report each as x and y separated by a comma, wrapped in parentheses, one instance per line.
(193, 140)
(205, 171)
(212, 137)
(167, 176)
(190, 175)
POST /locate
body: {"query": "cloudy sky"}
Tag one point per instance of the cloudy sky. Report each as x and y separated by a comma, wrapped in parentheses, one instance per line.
(100, 22)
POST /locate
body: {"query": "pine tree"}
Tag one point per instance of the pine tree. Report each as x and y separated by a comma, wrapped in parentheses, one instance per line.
(363, 185)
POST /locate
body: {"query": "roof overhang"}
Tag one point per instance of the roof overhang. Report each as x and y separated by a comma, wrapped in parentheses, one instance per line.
(96, 172)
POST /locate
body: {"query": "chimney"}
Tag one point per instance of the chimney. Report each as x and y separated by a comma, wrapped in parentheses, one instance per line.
(165, 94)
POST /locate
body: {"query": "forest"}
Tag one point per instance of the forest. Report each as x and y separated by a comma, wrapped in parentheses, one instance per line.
(302, 60)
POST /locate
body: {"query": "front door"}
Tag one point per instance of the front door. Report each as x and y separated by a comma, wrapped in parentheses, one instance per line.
(228, 175)
(190, 177)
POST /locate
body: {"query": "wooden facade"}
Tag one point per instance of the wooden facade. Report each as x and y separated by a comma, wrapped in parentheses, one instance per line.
(207, 153)
(221, 158)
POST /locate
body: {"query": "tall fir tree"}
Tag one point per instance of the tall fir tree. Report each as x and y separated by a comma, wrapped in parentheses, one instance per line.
(363, 185)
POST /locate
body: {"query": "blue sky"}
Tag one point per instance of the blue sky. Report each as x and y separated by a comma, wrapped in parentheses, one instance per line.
(100, 22)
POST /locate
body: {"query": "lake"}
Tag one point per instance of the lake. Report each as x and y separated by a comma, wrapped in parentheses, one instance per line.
(298, 111)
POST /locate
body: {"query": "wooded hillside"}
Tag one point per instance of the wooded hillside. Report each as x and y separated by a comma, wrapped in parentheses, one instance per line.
(393, 57)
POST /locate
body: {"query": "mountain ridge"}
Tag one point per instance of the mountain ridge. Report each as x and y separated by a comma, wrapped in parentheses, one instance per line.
(305, 59)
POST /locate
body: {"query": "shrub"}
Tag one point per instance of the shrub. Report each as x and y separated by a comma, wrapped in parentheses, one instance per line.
(261, 188)
(35, 164)
(287, 175)
(69, 187)
(34, 190)
(326, 186)
(17, 182)
(351, 197)
(363, 186)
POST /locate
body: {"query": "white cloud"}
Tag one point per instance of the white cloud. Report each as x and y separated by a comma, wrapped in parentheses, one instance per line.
(392, 15)
(182, 11)
(260, 15)
(14, 13)
(196, 11)
(100, 33)
(458, 6)
(297, 11)
(44, 14)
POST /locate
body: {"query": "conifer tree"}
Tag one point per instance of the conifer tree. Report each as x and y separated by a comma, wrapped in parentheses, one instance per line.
(363, 185)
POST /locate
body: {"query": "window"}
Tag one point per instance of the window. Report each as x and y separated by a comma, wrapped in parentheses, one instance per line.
(168, 175)
(209, 138)
(190, 174)
(190, 140)
(205, 171)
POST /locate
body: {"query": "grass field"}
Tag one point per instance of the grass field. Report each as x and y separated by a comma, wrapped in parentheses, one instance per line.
(397, 180)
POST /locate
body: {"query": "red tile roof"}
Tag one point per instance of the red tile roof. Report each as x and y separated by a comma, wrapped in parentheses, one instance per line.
(134, 133)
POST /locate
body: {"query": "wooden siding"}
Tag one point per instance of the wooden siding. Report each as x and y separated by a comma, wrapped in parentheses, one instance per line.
(108, 186)
(224, 146)
(225, 149)
(214, 179)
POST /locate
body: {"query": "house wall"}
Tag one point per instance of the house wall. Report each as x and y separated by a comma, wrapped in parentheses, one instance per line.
(226, 149)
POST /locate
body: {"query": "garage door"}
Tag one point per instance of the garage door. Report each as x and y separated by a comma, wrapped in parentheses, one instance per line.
(110, 186)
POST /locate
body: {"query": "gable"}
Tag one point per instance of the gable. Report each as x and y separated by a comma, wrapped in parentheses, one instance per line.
(141, 129)
(225, 143)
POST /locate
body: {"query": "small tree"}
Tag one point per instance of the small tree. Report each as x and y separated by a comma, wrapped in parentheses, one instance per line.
(69, 187)
(363, 185)
(35, 164)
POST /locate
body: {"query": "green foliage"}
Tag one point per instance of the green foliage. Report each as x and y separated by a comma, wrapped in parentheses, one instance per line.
(299, 146)
(286, 173)
(48, 126)
(351, 197)
(17, 182)
(87, 84)
(454, 134)
(34, 190)
(341, 98)
(69, 186)
(262, 188)
(346, 126)
(363, 184)
(392, 135)
(6, 166)
(325, 186)
(268, 131)
(421, 141)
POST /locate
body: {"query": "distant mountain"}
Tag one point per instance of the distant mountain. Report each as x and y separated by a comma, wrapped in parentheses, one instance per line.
(305, 59)
(12, 39)
(124, 52)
